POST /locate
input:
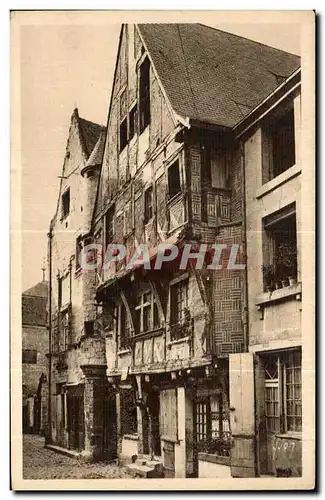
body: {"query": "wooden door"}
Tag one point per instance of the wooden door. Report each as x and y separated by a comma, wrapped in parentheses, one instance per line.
(169, 429)
(109, 428)
(169, 459)
(242, 417)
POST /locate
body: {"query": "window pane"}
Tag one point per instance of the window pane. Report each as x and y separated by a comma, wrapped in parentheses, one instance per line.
(293, 391)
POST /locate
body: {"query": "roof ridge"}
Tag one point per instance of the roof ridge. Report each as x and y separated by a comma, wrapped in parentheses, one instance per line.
(248, 39)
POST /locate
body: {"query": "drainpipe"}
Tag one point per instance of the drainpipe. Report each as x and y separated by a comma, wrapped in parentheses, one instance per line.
(49, 410)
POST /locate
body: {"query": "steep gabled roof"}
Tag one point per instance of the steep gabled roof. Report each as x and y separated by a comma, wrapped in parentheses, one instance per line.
(39, 290)
(213, 76)
(34, 301)
(88, 132)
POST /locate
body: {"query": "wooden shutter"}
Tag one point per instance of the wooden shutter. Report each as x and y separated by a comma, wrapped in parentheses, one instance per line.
(168, 415)
(241, 386)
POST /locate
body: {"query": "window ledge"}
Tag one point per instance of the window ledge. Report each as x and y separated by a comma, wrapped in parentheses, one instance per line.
(131, 437)
(178, 341)
(145, 335)
(278, 180)
(123, 351)
(290, 435)
(265, 299)
(174, 198)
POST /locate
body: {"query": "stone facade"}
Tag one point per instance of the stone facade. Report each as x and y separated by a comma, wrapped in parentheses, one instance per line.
(275, 313)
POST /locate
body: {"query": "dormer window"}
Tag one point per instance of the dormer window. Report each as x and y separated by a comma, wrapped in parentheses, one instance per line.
(65, 203)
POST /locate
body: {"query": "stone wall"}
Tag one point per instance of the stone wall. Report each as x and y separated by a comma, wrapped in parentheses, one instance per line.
(261, 201)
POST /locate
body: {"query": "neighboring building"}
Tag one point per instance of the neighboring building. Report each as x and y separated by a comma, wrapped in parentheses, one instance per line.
(173, 172)
(73, 303)
(273, 172)
(34, 362)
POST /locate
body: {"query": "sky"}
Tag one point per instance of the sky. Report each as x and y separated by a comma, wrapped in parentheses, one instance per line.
(68, 66)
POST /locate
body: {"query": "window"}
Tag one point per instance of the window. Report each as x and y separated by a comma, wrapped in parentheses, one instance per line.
(179, 300)
(212, 425)
(283, 402)
(64, 290)
(66, 203)
(174, 181)
(146, 313)
(123, 134)
(89, 328)
(125, 328)
(128, 412)
(148, 205)
(144, 94)
(278, 145)
(60, 292)
(133, 121)
(280, 249)
(109, 227)
(65, 330)
(78, 253)
(29, 356)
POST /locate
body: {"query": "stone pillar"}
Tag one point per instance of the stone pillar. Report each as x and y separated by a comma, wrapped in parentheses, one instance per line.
(93, 410)
(118, 425)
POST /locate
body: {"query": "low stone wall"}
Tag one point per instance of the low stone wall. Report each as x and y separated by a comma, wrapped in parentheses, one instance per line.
(213, 466)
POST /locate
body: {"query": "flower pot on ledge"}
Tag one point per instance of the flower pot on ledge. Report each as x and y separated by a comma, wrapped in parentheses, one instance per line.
(285, 282)
(292, 281)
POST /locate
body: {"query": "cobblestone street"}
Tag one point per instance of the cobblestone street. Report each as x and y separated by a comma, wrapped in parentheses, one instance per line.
(40, 463)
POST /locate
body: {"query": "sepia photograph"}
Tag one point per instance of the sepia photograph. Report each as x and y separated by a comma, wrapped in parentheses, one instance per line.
(163, 198)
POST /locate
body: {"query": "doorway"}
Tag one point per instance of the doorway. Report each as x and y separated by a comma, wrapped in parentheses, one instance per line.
(75, 407)
(154, 408)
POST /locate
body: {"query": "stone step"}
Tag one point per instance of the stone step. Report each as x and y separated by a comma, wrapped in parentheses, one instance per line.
(63, 451)
(145, 470)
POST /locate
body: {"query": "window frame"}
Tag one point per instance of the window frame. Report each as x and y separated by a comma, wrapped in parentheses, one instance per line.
(216, 441)
(144, 95)
(283, 361)
(143, 305)
(32, 356)
(79, 249)
(65, 330)
(173, 190)
(282, 265)
(124, 329)
(65, 205)
(123, 136)
(148, 207)
(183, 282)
(133, 119)
(271, 138)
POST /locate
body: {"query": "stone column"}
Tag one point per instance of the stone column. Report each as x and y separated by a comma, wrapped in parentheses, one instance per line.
(93, 410)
